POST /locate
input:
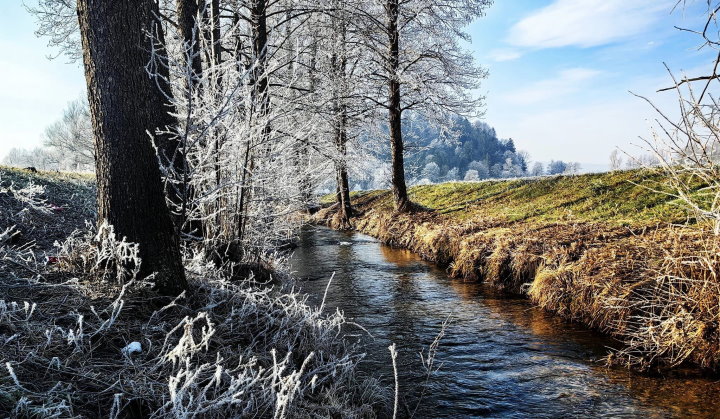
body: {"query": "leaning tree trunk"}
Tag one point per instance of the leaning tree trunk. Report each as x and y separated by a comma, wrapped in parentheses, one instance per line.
(402, 203)
(125, 105)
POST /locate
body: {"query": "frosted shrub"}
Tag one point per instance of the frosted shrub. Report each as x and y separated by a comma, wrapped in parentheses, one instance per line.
(99, 253)
(22, 204)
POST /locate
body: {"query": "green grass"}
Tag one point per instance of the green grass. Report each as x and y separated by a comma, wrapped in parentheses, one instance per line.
(621, 198)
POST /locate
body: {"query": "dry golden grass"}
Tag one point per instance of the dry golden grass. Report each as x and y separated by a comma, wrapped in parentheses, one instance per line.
(628, 272)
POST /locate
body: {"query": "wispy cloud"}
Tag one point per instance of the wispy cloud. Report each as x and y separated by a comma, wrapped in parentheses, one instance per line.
(500, 55)
(566, 82)
(587, 23)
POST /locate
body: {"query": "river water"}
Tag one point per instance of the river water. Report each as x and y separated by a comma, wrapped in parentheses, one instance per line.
(500, 357)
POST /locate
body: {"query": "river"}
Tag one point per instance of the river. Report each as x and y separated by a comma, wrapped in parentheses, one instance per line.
(500, 356)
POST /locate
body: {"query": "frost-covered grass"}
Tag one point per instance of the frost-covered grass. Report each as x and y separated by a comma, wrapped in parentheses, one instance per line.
(82, 336)
(44, 207)
(223, 349)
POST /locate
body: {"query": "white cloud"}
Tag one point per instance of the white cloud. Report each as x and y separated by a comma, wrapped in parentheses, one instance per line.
(586, 133)
(587, 23)
(500, 55)
(566, 82)
(585, 130)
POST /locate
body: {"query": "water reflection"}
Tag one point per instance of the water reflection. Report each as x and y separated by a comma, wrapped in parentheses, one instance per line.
(500, 356)
(400, 257)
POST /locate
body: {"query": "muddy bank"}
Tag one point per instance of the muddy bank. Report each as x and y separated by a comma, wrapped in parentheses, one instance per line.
(651, 285)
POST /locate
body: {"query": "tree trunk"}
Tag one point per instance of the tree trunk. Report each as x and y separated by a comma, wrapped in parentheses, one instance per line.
(343, 188)
(343, 198)
(213, 55)
(340, 91)
(258, 18)
(188, 14)
(402, 203)
(260, 104)
(125, 105)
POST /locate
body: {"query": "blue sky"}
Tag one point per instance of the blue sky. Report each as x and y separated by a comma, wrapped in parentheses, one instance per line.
(560, 72)
(35, 90)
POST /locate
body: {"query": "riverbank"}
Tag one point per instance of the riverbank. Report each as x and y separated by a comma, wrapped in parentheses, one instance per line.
(599, 249)
(82, 336)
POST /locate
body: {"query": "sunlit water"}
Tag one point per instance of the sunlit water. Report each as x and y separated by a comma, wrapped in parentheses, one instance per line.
(500, 356)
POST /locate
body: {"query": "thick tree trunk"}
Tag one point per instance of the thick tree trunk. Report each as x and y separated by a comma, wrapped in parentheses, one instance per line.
(402, 203)
(125, 105)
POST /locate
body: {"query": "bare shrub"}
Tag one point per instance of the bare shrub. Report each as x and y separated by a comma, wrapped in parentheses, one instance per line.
(673, 314)
(687, 146)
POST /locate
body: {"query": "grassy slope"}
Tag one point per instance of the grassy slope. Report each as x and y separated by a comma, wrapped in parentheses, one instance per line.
(619, 198)
(586, 247)
(70, 195)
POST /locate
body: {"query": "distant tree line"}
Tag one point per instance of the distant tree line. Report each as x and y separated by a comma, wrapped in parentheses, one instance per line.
(461, 150)
(457, 150)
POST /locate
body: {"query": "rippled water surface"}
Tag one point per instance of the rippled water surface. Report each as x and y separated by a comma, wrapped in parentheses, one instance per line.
(500, 356)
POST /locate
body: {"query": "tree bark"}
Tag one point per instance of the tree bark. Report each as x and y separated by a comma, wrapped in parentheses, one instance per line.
(341, 176)
(125, 105)
(188, 14)
(343, 187)
(343, 198)
(402, 203)
(340, 90)
(260, 103)
(258, 18)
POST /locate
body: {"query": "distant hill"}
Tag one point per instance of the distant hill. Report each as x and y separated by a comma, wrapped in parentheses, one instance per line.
(466, 149)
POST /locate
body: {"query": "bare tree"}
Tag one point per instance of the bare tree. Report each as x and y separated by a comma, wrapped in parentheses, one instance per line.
(72, 137)
(127, 107)
(38, 157)
(57, 21)
(538, 169)
(616, 161)
(419, 66)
